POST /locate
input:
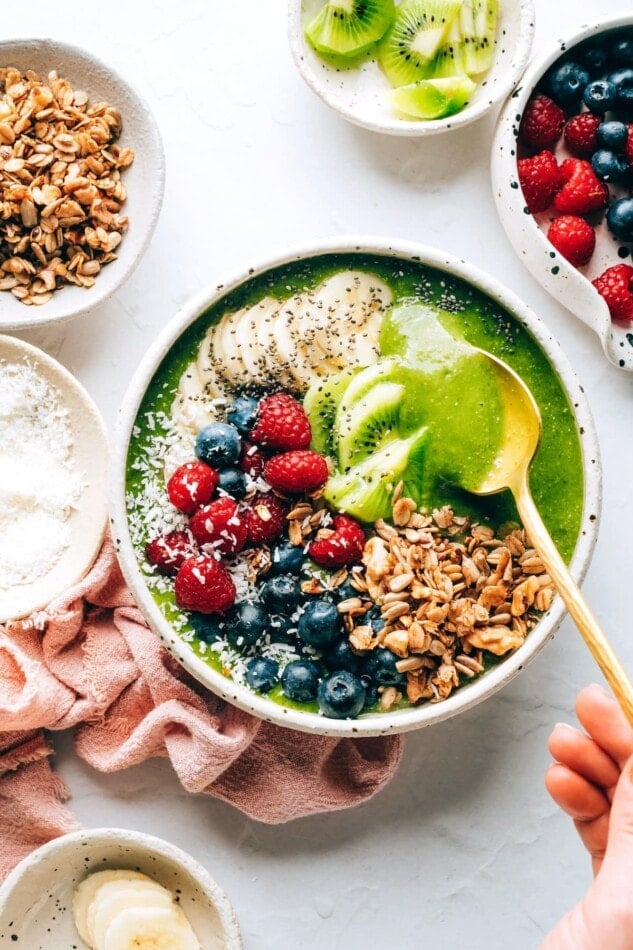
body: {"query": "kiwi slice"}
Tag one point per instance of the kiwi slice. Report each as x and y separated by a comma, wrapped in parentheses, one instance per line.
(320, 403)
(368, 377)
(364, 427)
(365, 490)
(433, 98)
(420, 29)
(449, 60)
(349, 27)
(478, 25)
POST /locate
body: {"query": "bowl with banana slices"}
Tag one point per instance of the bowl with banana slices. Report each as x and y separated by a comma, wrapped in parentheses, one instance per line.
(291, 501)
(110, 887)
(411, 67)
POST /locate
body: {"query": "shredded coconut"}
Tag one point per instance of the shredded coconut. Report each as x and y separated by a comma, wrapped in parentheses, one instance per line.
(38, 485)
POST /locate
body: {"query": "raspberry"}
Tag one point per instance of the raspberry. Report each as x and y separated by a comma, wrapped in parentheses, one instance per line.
(580, 134)
(583, 191)
(168, 551)
(616, 286)
(252, 461)
(344, 546)
(192, 485)
(265, 517)
(540, 179)
(221, 524)
(202, 584)
(281, 423)
(573, 237)
(628, 148)
(542, 122)
(296, 472)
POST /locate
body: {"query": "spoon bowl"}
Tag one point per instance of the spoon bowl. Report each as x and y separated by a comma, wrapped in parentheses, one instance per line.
(521, 433)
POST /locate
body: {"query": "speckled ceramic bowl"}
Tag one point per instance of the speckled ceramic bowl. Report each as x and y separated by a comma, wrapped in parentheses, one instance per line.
(359, 93)
(144, 179)
(399, 720)
(569, 285)
(36, 898)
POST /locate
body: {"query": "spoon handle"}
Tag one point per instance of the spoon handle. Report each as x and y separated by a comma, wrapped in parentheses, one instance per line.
(581, 613)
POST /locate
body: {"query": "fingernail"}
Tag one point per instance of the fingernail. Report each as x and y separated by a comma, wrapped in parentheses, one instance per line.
(563, 725)
(605, 692)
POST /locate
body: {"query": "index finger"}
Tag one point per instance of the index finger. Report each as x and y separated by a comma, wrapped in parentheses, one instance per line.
(605, 722)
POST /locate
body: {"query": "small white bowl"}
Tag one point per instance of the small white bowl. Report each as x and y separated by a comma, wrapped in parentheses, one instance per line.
(359, 93)
(36, 898)
(400, 720)
(570, 286)
(144, 179)
(89, 517)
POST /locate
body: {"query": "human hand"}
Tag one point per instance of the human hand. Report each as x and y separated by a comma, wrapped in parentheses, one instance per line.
(592, 781)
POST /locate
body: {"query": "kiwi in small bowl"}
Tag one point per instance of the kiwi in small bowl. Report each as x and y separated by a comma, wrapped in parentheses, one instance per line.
(414, 67)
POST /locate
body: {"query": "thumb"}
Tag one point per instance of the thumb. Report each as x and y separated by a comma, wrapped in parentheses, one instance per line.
(619, 854)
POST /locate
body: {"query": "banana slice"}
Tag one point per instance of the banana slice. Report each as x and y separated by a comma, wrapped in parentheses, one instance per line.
(86, 890)
(115, 896)
(228, 360)
(150, 928)
(192, 408)
(281, 352)
(209, 378)
(246, 338)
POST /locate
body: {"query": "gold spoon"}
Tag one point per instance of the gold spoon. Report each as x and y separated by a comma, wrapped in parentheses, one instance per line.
(521, 436)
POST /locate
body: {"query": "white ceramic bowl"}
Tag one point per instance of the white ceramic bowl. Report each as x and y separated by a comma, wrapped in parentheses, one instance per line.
(403, 719)
(36, 898)
(89, 518)
(569, 285)
(144, 179)
(359, 94)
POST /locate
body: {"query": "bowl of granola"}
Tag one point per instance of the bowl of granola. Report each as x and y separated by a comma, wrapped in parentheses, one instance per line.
(288, 505)
(81, 181)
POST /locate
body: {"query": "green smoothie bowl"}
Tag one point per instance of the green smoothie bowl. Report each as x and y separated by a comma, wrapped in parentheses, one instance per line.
(289, 508)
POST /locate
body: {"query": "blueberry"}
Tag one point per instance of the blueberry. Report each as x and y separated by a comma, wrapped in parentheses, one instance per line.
(371, 693)
(622, 80)
(287, 558)
(246, 624)
(281, 594)
(242, 412)
(320, 624)
(341, 695)
(345, 590)
(599, 96)
(594, 57)
(282, 630)
(262, 674)
(612, 135)
(342, 657)
(620, 219)
(567, 83)
(622, 50)
(207, 627)
(373, 618)
(381, 667)
(608, 166)
(218, 444)
(300, 680)
(233, 482)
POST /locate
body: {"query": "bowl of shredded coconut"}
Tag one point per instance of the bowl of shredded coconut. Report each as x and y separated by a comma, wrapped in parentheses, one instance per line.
(53, 479)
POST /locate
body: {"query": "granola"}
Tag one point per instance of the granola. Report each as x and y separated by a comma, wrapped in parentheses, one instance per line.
(61, 192)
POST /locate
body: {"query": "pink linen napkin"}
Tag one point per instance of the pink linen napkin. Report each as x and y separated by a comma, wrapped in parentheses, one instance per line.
(90, 663)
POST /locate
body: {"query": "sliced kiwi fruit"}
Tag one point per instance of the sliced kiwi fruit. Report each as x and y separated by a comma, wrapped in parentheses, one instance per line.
(449, 60)
(433, 98)
(363, 428)
(478, 25)
(369, 376)
(365, 491)
(349, 27)
(420, 29)
(320, 403)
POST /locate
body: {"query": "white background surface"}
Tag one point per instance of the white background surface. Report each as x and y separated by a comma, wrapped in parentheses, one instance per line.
(463, 849)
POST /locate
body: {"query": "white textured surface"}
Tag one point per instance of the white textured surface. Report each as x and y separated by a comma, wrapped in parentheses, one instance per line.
(464, 849)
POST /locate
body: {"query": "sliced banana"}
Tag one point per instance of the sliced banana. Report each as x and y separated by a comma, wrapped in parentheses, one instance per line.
(150, 928)
(192, 408)
(228, 359)
(115, 896)
(209, 378)
(86, 890)
(246, 338)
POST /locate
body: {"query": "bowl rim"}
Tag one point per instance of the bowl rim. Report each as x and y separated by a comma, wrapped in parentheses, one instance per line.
(149, 843)
(468, 695)
(36, 316)
(403, 127)
(526, 237)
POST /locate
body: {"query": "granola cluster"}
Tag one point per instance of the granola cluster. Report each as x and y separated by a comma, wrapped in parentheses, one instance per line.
(60, 185)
